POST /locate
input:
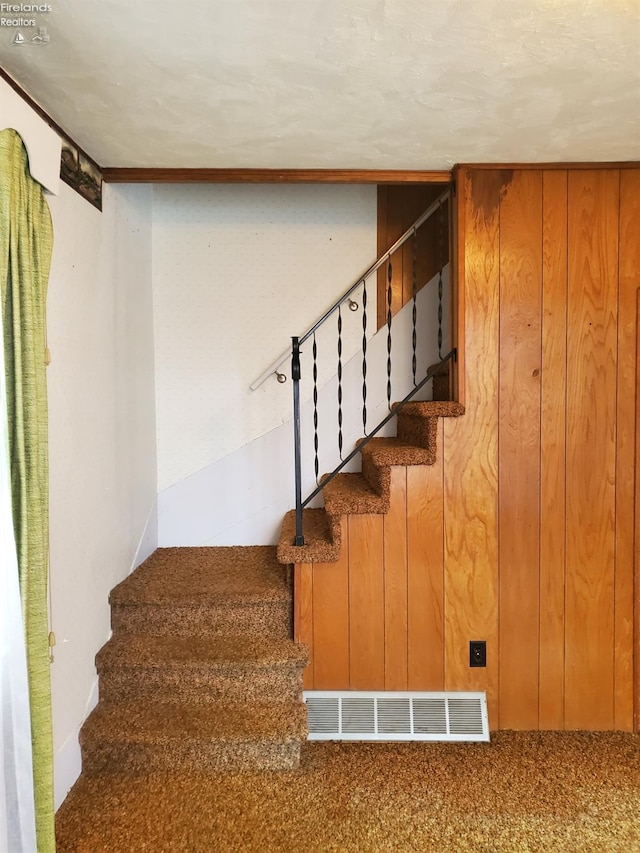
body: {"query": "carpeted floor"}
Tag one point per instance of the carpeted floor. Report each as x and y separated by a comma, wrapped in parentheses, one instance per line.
(523, 792)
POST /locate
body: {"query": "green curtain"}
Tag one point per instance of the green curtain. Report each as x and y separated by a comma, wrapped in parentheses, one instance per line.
(26, 241)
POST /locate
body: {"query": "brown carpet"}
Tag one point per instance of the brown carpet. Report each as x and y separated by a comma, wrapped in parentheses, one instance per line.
(523, 792)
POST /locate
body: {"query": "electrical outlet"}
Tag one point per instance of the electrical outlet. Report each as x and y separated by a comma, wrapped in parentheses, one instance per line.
(478, 653)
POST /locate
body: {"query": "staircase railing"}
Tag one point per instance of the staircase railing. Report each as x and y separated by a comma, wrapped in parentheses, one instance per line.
(417, 381)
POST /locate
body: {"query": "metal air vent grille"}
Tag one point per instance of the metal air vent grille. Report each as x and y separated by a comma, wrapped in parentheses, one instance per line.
(387, 716)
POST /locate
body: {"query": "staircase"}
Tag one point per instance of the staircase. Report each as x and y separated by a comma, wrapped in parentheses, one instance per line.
(201, 673)
(368, 491)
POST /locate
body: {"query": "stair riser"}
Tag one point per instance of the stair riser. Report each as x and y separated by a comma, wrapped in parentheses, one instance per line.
(188, 756)
(418, 431)
(265, 620)
(378, 478)
(232, 684)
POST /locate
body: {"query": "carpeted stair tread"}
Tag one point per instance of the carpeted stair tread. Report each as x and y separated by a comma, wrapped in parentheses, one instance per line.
(224, 651)
(145, 736)
(204, 618)
(195, 670)
(161, 723)
(322, 534)
(433, 409)
(394, 451)
(206, 575)
(351, 493)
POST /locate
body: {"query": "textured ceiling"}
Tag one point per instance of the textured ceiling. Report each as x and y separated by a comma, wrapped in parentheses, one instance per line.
(404, 84)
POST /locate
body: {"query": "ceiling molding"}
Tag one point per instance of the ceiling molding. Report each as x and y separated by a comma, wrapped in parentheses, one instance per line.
(627, 164)
(274, 176)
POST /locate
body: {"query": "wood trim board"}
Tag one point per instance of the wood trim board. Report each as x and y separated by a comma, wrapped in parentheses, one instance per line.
(274, 176)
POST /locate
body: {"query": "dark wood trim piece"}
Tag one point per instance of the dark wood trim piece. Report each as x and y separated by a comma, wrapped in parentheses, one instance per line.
(45, 116)
(628, 164)
(273, 176)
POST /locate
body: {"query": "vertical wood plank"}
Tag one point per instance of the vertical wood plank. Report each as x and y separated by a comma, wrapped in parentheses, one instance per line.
(395, 584)
(382, 245)
(470, 448)
(331, 620)
(303, 615)
(425, 567)
(591, 459)
(366, 602)
(429, 252)
(393, 211)
(552, 454)
(398, 207)
(519, 447)
(626, 448)
(458, 243)
(408, 265)
(636, 561)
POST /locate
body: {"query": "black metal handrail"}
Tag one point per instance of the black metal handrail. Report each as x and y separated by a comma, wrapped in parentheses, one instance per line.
(393, 411)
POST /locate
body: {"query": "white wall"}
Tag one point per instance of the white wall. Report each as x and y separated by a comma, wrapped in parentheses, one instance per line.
(237, 270)
(102, 436)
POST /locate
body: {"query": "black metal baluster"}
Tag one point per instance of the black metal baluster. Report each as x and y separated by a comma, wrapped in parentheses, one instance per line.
(316, 464)
(340, 381)
(389, 318)
(364, 358)
(414, 312)
(295, 381)
(440, 265)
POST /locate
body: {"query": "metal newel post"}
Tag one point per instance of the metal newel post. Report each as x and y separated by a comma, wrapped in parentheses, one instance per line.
(295, 378)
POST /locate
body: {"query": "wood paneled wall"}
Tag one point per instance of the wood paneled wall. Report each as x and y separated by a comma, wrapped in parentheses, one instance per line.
(374, 620)
(398, 208)
(524, 532)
